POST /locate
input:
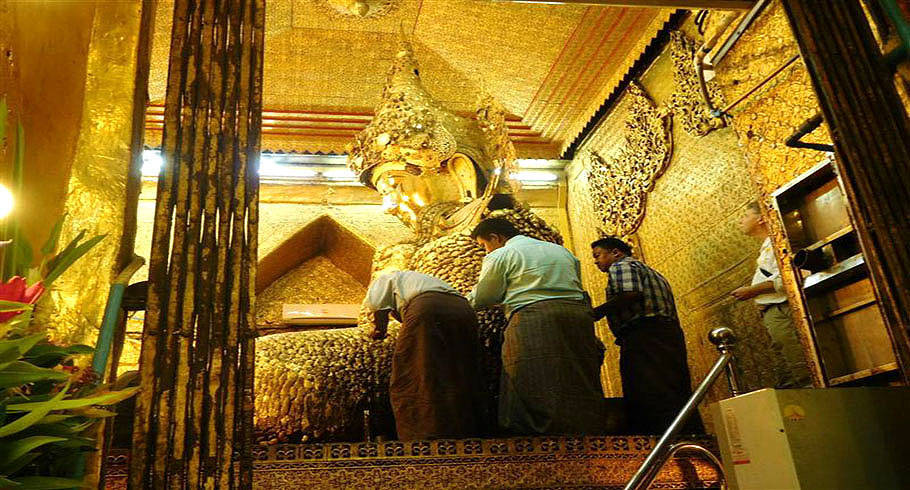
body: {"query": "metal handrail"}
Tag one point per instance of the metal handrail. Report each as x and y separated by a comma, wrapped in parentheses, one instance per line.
(724, 339)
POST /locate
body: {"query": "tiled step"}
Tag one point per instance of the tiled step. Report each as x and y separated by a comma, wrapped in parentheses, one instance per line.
(540, 462)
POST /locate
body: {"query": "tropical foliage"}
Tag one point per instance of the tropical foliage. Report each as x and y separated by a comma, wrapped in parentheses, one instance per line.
(46, 403)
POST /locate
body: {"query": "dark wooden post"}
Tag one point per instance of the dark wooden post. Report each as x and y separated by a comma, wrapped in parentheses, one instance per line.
(193, 420)
(871, 133)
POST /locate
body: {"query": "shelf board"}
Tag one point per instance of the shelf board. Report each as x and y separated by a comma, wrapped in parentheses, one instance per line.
(865, 373)
(832, 314)
(822, 172)
(838, 270)
(830, 238)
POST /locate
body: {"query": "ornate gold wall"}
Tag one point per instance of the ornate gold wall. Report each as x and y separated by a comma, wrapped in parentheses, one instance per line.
(765, 119)
(689, 231)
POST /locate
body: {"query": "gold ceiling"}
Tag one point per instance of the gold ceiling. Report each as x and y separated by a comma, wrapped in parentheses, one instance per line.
(551, 66)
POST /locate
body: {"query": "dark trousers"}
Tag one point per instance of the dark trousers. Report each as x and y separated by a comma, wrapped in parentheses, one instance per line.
(655, 375)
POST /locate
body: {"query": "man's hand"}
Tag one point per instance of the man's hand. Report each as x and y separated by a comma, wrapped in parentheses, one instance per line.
(744, 293)
(380, 325)
(378, 333)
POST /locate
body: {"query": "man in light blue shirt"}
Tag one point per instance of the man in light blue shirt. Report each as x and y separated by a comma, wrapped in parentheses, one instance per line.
(435, 387)
(550, 382)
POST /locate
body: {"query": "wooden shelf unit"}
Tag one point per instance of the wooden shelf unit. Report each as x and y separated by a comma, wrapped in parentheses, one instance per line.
(845, 321)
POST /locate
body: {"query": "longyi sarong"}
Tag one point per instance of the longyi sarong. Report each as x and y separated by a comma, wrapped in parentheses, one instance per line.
(435, 389)
(550, 380)
(655, 375)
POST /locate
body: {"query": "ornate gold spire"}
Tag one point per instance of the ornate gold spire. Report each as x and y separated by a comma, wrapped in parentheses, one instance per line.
(413, 132)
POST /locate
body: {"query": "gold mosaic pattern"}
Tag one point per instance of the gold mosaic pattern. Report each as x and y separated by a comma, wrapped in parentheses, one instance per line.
(538, 462)
(620, 182)
(768, 117)
(356, 9)
(317, 60)
(315, 281)
(691, 234)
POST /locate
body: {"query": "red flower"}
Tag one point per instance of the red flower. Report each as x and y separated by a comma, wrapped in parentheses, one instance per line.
(17, 290)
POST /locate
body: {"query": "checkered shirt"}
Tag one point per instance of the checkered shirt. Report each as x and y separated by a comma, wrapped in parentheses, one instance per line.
(630, 275)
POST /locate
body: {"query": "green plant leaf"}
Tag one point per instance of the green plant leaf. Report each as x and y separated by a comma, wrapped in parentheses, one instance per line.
(54, 418)
(19, 322)
(22, 344)
(13, 450)
(34, 415)
(47, 483)
(19, 373)
(54, 238)
(5, 483)
(24, 255)
(94, 413)
(48, 355)
(20, 463)
(52, 263)
(12, 350)
(7, 306)
(104, 399)
(62, 429)
(71, 256)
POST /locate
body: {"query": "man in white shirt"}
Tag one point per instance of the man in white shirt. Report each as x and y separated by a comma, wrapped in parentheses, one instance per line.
(435, 387)
(766, 290)
(550, 381)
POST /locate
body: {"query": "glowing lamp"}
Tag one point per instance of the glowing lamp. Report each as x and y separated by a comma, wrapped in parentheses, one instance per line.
(6, 201)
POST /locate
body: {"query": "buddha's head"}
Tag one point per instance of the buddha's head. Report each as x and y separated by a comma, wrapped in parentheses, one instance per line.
(417, 154)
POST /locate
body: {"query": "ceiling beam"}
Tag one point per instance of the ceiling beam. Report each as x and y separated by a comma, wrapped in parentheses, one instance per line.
(680, 4)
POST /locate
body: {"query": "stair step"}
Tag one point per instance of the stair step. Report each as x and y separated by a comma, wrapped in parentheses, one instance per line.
(524, 462)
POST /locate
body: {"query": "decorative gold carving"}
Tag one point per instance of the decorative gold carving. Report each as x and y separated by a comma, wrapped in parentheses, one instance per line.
(536, 462)
(620, 185)
(358, 9)
(687, 103)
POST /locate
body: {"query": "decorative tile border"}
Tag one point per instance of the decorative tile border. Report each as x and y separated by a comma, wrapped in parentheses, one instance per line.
(527, 462)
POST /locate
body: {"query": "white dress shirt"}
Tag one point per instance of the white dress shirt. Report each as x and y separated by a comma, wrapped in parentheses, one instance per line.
(768, 262)
(393, 291)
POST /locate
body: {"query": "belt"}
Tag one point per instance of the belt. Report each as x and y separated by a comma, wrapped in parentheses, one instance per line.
(766, 307)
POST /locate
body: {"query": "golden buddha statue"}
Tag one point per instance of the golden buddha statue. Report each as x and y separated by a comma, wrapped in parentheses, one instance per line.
(440, 174)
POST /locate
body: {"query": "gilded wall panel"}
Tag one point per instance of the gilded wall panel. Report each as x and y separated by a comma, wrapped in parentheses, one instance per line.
(97, 187)
(765, 120)
(689, 233)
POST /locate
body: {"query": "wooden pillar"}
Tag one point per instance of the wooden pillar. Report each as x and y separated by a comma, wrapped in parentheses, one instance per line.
(193, 421)
(871, 134)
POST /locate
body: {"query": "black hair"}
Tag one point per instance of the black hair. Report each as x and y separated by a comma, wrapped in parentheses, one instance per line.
(499, 226)
(501, 201)
(754, 207)
(612, 243)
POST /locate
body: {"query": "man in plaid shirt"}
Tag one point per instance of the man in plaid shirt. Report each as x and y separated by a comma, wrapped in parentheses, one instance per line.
(641, 313)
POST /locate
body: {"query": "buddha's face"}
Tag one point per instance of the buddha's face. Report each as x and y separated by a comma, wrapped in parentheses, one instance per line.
(407, 188)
